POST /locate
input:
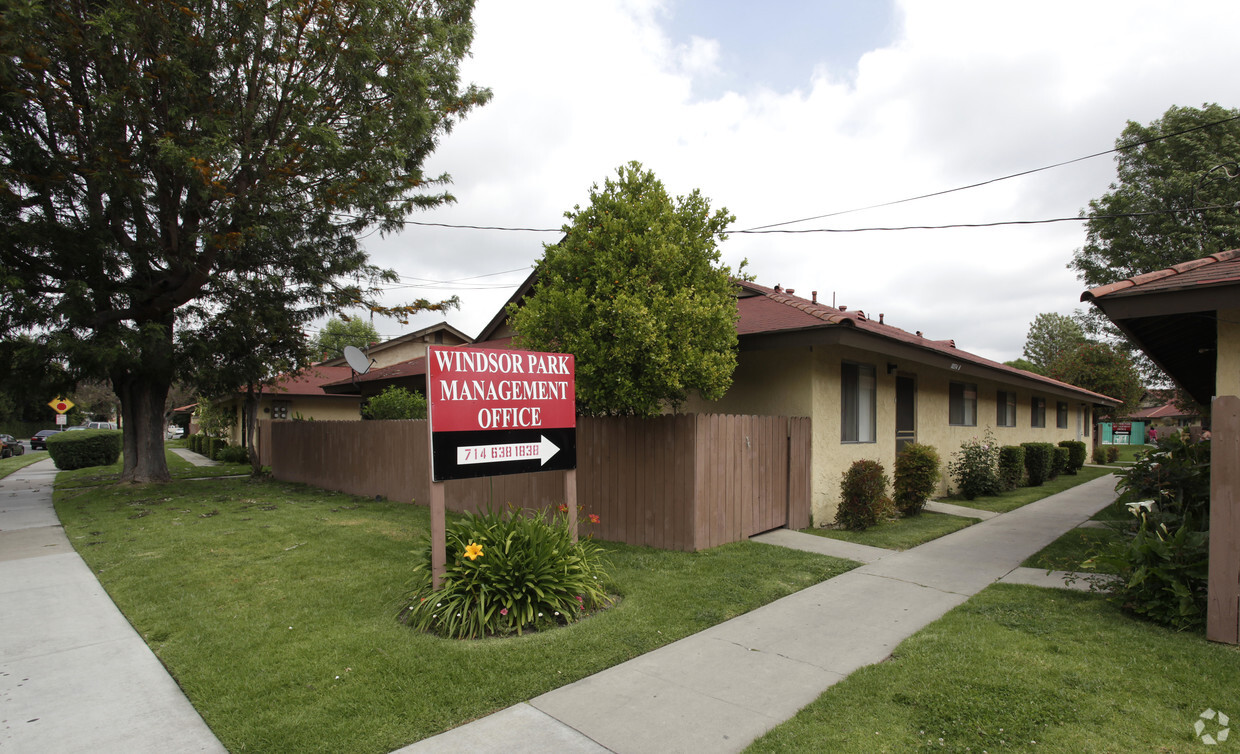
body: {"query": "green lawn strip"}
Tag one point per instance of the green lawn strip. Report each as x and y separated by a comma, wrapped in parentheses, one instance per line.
(178, 467)
(1021, 496)
(274, 607)
(1017, 665)
(1073, 548)
(900, 534)
(13, 463)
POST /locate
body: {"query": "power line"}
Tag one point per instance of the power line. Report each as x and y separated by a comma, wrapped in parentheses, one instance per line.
(988, 225)
(1122, 148)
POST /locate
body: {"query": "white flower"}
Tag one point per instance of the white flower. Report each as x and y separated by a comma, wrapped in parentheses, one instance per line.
(1141, 505)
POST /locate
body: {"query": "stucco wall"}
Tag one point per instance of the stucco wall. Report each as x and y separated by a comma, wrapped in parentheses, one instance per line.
(335, 408)
(1228, 374)
(806, 382)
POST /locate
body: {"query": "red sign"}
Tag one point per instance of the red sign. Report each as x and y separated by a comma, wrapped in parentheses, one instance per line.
(496, 411)
(1121, 428)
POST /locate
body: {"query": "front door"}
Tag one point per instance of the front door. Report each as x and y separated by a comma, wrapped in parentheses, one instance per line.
(906, 410)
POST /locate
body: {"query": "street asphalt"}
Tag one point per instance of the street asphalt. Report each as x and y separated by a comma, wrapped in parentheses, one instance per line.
(76, 677)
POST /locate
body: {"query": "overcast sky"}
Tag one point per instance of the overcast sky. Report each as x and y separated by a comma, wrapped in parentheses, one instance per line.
(787, 110)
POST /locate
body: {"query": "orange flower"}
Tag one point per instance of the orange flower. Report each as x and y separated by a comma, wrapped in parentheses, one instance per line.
(473, 551)
(594, 519)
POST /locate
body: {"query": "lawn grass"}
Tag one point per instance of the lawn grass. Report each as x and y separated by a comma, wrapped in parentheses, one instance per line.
(1021, 496)
(1017, 665)
(273, 605)
(13, 463)
(902, 533)
(178, 468)
(1073, 548)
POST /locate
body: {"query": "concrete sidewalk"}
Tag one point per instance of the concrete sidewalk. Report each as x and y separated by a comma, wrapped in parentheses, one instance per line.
(720, 689)
(74, 675)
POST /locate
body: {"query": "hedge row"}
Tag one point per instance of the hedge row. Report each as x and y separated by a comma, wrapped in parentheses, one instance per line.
(85, 448)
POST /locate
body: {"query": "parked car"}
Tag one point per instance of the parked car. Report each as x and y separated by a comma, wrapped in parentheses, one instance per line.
(9, 446)
(175, 432)
(39, 440)
(99, 425)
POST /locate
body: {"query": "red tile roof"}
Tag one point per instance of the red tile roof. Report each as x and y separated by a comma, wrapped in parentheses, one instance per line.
(1222, 268)
(1158, 412)
(776, 310)
(309, 381)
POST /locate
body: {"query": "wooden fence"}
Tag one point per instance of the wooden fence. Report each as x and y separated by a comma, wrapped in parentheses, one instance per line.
(684, 482)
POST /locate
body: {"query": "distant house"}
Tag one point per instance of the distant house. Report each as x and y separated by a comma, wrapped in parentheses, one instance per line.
(297, 396)
(409, 346)
(869, 387)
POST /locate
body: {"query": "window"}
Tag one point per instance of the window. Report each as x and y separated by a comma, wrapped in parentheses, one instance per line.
(1088, 420)
(1005, 415)
(1061, 415)
(1037, 411)
(858, 403)
(962, 404)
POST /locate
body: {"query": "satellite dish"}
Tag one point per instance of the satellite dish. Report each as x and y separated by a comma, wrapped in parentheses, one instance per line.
(357, 360)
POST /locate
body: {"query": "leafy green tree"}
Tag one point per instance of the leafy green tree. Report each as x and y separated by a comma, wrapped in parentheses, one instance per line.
(1051, 336)
(338, 333)
(1173, 179)
(1024, 364)
(1104, 369)
(164, 163)
(395, 403)
(635, 290)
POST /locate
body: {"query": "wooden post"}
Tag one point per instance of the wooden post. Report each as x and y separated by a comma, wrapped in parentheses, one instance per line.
(1223, 586)
(570, 499)
(439, 536)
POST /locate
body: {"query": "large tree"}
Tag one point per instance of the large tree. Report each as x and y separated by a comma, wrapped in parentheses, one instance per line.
(1184, 184)
(635, 290)
(339, 332)
(1104, 369)
(161, 162)
(1051, 336)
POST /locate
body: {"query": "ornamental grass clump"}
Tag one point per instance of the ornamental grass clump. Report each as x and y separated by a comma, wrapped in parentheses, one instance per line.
(975, 467)
(507, 573)
(863, 496)
(917, 476)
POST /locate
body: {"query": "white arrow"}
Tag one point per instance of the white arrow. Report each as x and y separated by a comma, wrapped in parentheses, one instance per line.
(543, 450)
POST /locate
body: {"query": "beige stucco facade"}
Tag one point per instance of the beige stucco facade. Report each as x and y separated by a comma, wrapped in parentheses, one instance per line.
(806, 381)
(1228, 374)
(318, 408)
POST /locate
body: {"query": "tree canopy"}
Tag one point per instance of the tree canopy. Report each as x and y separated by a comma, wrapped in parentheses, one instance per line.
(1104, 369)
(1184, 184)
(167, 170)
(338, 333)
(1051, 336)
(636, 291)
(395, 403)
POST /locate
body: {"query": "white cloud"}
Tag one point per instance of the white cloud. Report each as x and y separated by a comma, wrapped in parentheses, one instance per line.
(966, 91)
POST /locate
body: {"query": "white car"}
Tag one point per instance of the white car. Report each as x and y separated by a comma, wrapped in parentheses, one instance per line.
(175, 432)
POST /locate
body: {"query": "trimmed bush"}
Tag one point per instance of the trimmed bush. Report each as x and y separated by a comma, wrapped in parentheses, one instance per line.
(1011, 466)
(507, 573)
(233, 454)
(975, 467)
(1100, 455)
(89, 447)
(1062, 463)
(1039, 462)
(863, 496)
(1112, 454)
(1076, 454)
(917, 476)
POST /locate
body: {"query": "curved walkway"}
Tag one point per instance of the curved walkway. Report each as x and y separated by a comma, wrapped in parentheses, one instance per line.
(720, 689)
(74, 675)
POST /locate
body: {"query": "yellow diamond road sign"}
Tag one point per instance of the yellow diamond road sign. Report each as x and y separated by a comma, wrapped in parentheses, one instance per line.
(61, 405)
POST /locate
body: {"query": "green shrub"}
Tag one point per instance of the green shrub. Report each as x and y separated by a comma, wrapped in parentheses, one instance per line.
(1011, 466)
(1164, 569)
(395, 403)
(916, 477)
(505, 574)
(1100, 455)
(1112, 454)
(233, 454)
(975, 467)
(863, 496)
(1039, 462)
(86, 448)
(1062, 463)
(218, 444)
(1077, 452)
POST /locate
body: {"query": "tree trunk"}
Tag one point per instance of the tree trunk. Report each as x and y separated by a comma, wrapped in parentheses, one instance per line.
(252, 398)
(143, 390)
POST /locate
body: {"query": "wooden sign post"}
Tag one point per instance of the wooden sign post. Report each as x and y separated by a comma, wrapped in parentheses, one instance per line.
(1223, 580)
(494, 412)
